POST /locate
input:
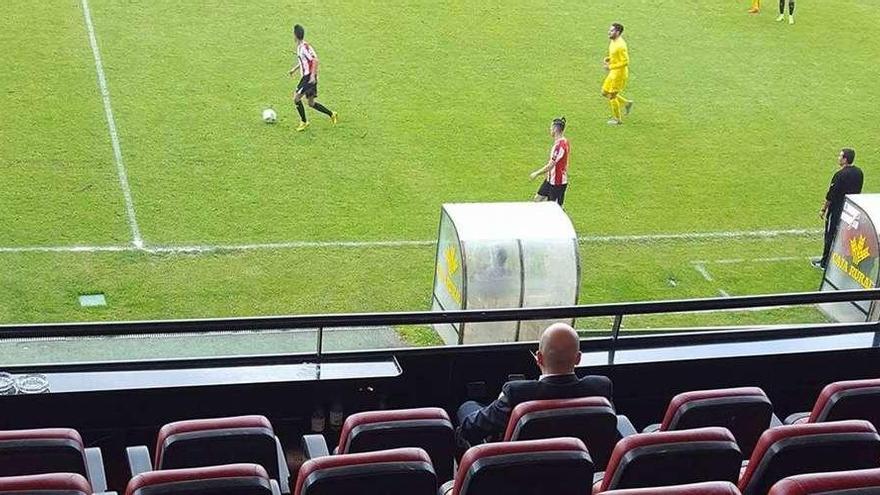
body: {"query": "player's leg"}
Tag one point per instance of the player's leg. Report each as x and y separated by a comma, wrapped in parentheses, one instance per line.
(781, 16)
(756, 7)
(791, 11)
(560, 194)
(543, 193)
(303, 123)
(616, 114)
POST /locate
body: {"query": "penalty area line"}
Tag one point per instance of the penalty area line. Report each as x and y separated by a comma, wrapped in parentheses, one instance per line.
(277, 246)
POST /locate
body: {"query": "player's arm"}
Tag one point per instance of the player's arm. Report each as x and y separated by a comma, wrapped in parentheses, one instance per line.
(622, 59)
(543, 170)
(293, 70)
(314, 75)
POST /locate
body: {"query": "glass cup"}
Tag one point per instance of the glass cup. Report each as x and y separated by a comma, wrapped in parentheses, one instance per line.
(32, 384)
(7, 384)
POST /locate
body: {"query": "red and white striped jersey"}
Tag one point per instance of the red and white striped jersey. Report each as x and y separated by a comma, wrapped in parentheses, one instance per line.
(558, 173)
(307, 58)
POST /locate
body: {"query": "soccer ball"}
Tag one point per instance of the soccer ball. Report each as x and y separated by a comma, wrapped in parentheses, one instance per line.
(269, 116)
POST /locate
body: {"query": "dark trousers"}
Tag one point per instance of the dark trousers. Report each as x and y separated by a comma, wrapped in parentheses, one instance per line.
(466, 409)
(832, 220)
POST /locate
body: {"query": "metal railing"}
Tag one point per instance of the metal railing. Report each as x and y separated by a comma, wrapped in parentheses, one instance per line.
(616, 310)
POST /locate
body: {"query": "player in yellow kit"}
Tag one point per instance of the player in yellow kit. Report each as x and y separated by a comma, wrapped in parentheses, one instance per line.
(617, 65)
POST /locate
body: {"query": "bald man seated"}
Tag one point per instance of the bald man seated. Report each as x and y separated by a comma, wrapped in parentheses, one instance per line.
(558, 354)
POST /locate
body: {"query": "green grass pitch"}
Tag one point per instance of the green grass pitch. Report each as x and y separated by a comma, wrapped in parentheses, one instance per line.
(736, 126)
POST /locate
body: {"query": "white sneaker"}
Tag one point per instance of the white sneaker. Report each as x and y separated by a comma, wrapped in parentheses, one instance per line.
(790, 19)
(614, 122)
(780, 18)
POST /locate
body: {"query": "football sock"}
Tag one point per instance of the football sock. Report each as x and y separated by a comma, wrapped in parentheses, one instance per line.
(322, 109)
(756, 4)
(615, 109)
(790, 7)
(781, 7)
(301, 110)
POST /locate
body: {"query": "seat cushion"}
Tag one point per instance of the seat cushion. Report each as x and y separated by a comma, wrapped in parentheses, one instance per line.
(809, 484)
(194, 425)
(161, 477)
(709, 488)
(821, 409)
(393, 456)
(67, 482)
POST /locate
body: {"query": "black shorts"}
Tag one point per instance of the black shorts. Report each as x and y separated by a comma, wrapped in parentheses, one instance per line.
(306, 88)
(553, 193)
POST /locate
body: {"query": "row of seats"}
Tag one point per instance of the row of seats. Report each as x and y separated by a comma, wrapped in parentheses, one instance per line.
(745, 412)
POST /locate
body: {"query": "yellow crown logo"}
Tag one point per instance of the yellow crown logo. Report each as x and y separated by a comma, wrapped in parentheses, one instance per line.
(858, 250)
(451, 261)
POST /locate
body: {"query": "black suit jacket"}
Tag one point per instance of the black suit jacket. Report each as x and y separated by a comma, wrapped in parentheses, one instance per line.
(492, 419)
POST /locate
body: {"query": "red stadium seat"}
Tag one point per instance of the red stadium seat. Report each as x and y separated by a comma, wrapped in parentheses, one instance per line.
(389, 472)
(745, 411)
(231, 479)
(672, 458)
(45, 484)
(50, 450)
(853, 399)
(591, 419)
(810, 448)
(862, 482)
(211, 442)
(427, 428)
(561, 466)
(709, 488)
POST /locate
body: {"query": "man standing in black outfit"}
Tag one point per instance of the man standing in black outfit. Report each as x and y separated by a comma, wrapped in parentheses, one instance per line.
(558, 354)
(847, 180)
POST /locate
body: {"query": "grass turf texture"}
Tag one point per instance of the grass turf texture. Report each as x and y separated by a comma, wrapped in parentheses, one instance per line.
(736, 126)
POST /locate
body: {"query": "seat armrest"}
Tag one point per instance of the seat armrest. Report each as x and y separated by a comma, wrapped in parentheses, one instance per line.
(775, 421)
(283, 469)
(95, 469)
(598, 476)
(652, 428)
(138, 460)
(796, 418)
(625, 427)
(446, 488)
(314, 446)
(276, 490)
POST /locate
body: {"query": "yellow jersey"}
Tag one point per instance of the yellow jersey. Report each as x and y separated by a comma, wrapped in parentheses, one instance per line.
(618, 56)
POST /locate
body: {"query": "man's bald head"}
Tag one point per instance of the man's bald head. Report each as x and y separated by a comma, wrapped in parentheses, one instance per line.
(559, 350)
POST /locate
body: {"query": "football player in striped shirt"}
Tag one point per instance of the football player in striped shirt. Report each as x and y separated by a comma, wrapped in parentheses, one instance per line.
(307, 64)
(556, 182)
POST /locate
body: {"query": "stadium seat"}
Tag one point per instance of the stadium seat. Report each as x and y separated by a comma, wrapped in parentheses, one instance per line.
(50, 450)
(810, 448)
(45, 484)
(561, 466)
(746, 412)
(853, 399)
(211, 442)
(405, 471)
(427, 428)
(591, 419)
(230, 479)
(862, 482)
(708, 488)
(672, 458)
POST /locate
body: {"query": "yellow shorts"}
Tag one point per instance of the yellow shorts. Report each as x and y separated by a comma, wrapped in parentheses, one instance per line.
(615, 82)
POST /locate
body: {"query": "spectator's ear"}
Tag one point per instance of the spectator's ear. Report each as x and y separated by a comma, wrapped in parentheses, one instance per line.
(539, 358)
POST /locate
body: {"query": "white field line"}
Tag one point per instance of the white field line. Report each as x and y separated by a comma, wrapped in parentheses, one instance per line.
(731, 261)
(723, 293)
(701, 268)
(111, 124)
(271, 246)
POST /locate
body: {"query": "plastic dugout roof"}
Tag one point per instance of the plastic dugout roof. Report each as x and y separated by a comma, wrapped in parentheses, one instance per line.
(505, 221)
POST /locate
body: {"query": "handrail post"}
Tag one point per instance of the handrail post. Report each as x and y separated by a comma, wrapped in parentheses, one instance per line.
(320, 349)
(615, 332)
